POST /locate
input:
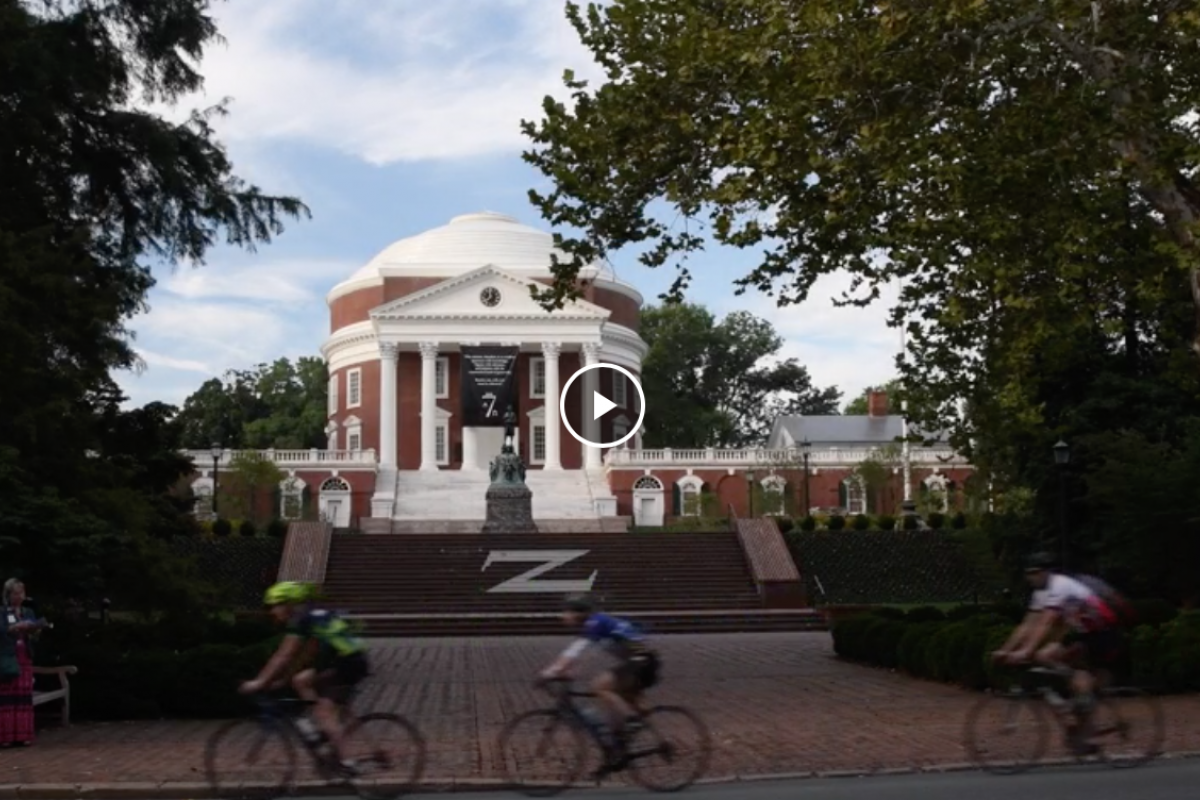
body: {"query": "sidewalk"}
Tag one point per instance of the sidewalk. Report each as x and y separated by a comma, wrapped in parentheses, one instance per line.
(775, 703)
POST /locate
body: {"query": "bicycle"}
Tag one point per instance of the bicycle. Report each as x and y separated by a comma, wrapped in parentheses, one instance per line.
(578, 723)
(283, 722)
(1035, 693)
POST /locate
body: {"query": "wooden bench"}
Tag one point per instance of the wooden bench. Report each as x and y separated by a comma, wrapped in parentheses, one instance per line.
(63, 692)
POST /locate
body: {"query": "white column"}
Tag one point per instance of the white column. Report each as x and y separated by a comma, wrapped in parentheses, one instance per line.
(387, 404)
(429, 354)
(591, 455)
(550, 351)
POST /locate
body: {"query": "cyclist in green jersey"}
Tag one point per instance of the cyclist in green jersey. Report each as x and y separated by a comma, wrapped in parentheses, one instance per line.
(336, 659)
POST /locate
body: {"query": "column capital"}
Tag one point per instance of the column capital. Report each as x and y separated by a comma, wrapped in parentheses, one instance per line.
(388, 350)
(429, 350)
(551, 349)
(591, 351)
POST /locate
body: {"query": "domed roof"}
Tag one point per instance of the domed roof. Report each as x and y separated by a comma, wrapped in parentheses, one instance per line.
(466, 243)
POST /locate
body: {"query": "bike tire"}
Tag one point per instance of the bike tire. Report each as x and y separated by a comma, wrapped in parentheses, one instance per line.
(1009, 705)
(546, 722)
(1107, 706)
(250, 736)
(650, 745)
(413, 745)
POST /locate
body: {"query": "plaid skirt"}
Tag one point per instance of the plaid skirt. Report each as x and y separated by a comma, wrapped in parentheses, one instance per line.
(16, 702)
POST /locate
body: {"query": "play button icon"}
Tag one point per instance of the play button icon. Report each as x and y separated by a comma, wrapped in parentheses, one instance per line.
(596, 406)
(601, 405)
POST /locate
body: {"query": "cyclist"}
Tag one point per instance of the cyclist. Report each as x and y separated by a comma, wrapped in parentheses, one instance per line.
(335, 659)
(620, 689)
(1073, 625)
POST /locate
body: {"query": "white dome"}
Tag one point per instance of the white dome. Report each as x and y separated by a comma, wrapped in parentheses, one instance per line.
(466, 243)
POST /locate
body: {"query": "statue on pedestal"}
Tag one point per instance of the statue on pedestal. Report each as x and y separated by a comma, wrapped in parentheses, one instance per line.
(509, 501)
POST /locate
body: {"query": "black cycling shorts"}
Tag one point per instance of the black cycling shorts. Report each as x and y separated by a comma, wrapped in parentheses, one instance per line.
(1099, 647)
(337, 681)
(638, 672)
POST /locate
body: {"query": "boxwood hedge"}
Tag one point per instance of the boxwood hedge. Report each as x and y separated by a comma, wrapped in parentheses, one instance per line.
(1163, 653)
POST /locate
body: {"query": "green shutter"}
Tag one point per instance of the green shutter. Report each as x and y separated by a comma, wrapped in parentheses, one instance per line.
(676, 501)
(843, 495)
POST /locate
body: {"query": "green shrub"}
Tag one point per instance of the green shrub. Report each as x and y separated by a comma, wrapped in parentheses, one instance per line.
(936, 520)
(222, 527)
(959, 521)
(1178, 653)
(785, 524)
(836, 523)
(809, 524)
(247, 529)
(965, 611)
(909, 522)
(1154, 611)
(861, 522)
(885, 522)
(891, 612)
(277, 528)
(911, 650)
(925, 614)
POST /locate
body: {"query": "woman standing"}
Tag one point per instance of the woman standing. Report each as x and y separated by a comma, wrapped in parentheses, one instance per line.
(18, 625)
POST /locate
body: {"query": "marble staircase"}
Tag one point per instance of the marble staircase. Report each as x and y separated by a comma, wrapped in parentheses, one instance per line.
(451, 498)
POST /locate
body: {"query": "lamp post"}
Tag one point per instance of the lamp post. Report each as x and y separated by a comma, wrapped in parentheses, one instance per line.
(750, 490)
(1062, 457)
(216, 457)
(805, 449)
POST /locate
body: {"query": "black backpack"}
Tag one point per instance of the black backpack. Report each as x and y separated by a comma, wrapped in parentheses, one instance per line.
(1126, 614)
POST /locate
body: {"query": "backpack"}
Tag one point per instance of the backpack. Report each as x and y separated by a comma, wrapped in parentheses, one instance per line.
(1126, 614)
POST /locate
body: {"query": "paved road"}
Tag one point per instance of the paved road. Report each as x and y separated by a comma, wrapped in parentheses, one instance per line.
(1165, 780)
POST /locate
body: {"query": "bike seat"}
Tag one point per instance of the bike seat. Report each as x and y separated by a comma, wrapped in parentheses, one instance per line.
(1054, 672)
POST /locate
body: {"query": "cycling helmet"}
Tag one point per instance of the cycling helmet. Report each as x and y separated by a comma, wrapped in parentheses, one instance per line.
(579, 603)
(1039, 562)
(287, 593)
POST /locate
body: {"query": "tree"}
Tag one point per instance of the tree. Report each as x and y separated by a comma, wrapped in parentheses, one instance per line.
(859, 405)
(251, 477)
(281, 405)
(97, 189)
(709, 383)
(1027, 170)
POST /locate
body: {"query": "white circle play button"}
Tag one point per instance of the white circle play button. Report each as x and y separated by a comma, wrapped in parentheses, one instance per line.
(598, 405)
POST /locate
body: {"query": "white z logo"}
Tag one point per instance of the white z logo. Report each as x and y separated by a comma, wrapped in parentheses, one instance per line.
(549, 559)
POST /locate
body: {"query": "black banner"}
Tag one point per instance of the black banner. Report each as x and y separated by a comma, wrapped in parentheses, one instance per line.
(489, 381)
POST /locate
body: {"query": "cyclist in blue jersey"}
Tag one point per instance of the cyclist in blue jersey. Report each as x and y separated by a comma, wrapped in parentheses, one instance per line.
(333, 658)
(620, 689)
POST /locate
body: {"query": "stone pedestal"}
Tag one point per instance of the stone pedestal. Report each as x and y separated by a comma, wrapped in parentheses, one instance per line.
(509, 509)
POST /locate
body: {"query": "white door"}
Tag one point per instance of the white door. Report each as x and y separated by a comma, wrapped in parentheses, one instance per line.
(336, 510)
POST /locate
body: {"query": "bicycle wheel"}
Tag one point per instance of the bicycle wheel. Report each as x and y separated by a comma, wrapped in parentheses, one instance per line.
(249, 758)
(670, 736)
(1022, 721)
(534, 763)
(1121, 716)
(388, 753)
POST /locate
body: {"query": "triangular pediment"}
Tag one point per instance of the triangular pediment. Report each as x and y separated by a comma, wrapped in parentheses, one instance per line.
(487, 292)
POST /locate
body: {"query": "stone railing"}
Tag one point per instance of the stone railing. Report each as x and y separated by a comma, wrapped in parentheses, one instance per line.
(760, 457)
(291, 458)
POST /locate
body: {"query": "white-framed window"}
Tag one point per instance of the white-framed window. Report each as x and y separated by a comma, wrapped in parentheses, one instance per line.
(202, 491)
(691, 491)
(441, 378)
(441, 443)
(331, 435)
(856, 496)
(333, 398)
(354, 388)
(936, 491)
(291, 498)
(353, 427)
(537, 378)
(620, 390)
(537, 443)
(620, 427)
(774, 490)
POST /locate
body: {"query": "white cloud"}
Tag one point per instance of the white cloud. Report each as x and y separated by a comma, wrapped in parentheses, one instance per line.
(283, 281)
(153, 359)
(848, 347)
(389, 82)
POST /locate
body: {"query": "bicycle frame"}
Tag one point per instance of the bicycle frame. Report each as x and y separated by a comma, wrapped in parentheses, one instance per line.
(566, 705)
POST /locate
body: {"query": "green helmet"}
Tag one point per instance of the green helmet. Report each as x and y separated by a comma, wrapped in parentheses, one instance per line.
(288, 593)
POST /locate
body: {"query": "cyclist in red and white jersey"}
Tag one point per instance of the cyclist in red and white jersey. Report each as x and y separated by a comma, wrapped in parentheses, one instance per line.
(1070, 625)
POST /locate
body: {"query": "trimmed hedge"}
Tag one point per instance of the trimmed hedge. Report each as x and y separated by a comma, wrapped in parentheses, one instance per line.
(131, 670)
(956, 647)
(242, 566)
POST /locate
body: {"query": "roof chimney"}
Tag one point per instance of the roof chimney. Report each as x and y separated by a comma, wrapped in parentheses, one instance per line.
(877, 403)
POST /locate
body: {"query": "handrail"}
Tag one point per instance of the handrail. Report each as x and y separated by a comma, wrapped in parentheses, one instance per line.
(733, 518)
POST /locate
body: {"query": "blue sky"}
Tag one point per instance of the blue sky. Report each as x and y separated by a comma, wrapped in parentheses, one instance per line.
(389, 118)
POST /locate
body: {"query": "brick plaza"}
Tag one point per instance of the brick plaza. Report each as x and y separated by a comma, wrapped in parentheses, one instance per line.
(775, 703)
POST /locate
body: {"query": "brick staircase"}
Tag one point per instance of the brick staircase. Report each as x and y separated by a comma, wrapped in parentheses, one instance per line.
(464, 584)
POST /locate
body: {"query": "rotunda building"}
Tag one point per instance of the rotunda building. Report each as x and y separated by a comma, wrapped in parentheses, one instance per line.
(400, 325)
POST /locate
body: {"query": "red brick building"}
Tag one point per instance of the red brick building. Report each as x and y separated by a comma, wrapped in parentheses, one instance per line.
(398, 449)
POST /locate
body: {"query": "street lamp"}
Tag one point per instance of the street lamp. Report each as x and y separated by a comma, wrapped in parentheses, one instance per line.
(805, 450)
(1062, 457)
(750, 490)
(215, 450)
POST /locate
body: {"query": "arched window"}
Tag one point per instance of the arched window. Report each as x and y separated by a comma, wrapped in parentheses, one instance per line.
(291, 498)
(690, 496)
(935, 493)
(202, 491)
(854, 495)
(648, 482)
(774, 492)
(335, 484)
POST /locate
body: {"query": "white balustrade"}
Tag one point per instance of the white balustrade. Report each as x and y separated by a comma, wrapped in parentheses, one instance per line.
(290, 458)
(758, 457)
